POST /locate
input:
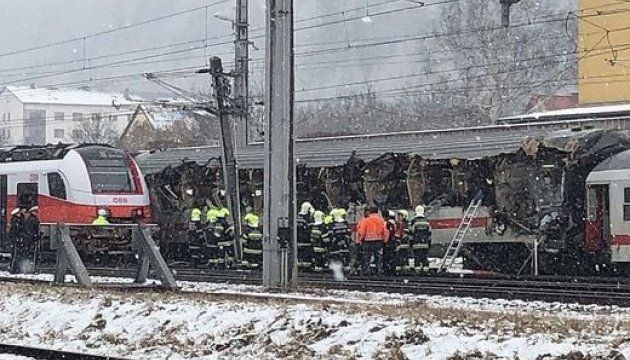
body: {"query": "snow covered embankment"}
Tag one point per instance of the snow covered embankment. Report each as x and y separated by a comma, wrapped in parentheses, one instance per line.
(204, 326)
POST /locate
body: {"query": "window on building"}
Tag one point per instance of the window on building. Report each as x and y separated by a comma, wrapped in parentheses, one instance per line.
(35, 127)
(56, 186)
(77, 117)
(96, 117)
(59, 116)
(59, 134)
(76, 134)
(626, 204)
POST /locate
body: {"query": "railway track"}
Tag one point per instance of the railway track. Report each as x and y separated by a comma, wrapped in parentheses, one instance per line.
(42, 353)
(586, 291)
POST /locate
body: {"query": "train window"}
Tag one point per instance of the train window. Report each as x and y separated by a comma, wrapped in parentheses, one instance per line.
(626, 204)
(27, 195)
(109, 169)
(56, 186)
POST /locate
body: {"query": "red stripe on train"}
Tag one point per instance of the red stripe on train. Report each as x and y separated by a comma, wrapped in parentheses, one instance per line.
(448, 224)
(453, 223)
(620, 240)
(54, 210)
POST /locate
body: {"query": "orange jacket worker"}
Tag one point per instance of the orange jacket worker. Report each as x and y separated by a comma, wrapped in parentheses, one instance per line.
(372, 233)
(372, 228)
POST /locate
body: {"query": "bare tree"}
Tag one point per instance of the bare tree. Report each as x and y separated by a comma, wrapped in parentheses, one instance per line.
(96, 129)
(500, 68)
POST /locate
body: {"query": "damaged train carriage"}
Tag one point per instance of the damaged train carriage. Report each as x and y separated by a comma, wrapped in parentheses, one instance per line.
(534, 192)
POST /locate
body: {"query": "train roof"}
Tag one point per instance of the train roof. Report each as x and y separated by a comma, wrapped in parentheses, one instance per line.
(461, 143)
(335, 153)
(587, 112)
(620, 161)
(41, 152)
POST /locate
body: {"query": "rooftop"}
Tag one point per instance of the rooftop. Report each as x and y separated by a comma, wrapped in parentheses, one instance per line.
(164, 118)
(30, 95)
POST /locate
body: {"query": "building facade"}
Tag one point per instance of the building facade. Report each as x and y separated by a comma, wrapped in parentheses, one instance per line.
(604, 51)
(35, 116)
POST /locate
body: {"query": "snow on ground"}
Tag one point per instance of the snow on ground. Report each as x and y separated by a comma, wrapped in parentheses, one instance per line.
(14, 357)
(210, 326)
(577, 311)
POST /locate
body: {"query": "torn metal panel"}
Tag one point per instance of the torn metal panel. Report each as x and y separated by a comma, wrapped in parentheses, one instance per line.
(385, 181)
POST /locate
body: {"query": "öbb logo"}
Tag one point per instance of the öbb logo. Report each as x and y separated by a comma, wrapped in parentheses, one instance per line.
(120, 200)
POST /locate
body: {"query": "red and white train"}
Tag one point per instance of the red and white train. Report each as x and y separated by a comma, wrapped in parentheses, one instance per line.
(608, 210)
(70, 183)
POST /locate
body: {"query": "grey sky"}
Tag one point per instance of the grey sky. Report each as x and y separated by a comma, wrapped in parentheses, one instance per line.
(28, 23)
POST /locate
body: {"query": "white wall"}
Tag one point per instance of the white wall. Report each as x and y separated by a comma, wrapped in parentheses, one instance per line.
(11, 118)
(68, 125)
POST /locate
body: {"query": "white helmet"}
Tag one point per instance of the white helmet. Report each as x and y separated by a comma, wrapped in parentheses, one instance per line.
(306, 208)
(419, 210)
(102, 212)
(319, 217)
(391, 214)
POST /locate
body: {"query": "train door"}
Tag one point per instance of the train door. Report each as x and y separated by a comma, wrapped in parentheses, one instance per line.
(598, 221)
(27, 194)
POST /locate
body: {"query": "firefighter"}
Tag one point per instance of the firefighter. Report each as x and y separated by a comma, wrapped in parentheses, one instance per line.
(403, 248)
(339, 252)
(420, 233)
(196, 237)
(101, 218)
(389, 248)
(319, 241)
(252, 243)
(305, 249)
(372, 234)
(223, 239)
(31, 237)
(16, 238)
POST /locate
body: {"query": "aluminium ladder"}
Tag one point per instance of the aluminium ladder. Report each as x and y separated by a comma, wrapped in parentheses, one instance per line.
(458, 237)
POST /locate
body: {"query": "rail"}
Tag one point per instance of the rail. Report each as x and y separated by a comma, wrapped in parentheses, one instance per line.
(43, 353)
(607, 291)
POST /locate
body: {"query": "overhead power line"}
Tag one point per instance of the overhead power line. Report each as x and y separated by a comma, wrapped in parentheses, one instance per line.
(110, 31)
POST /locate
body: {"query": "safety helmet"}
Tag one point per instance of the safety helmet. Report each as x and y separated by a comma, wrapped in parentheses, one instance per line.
(391, 214)
(223, 213)
(249, 216)
(318, 216)
(306, 208)
(190, 192)
(419, 210)
(252, 220)
(102, 212)
(403, 213)
(212, 215)
(328, 219)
